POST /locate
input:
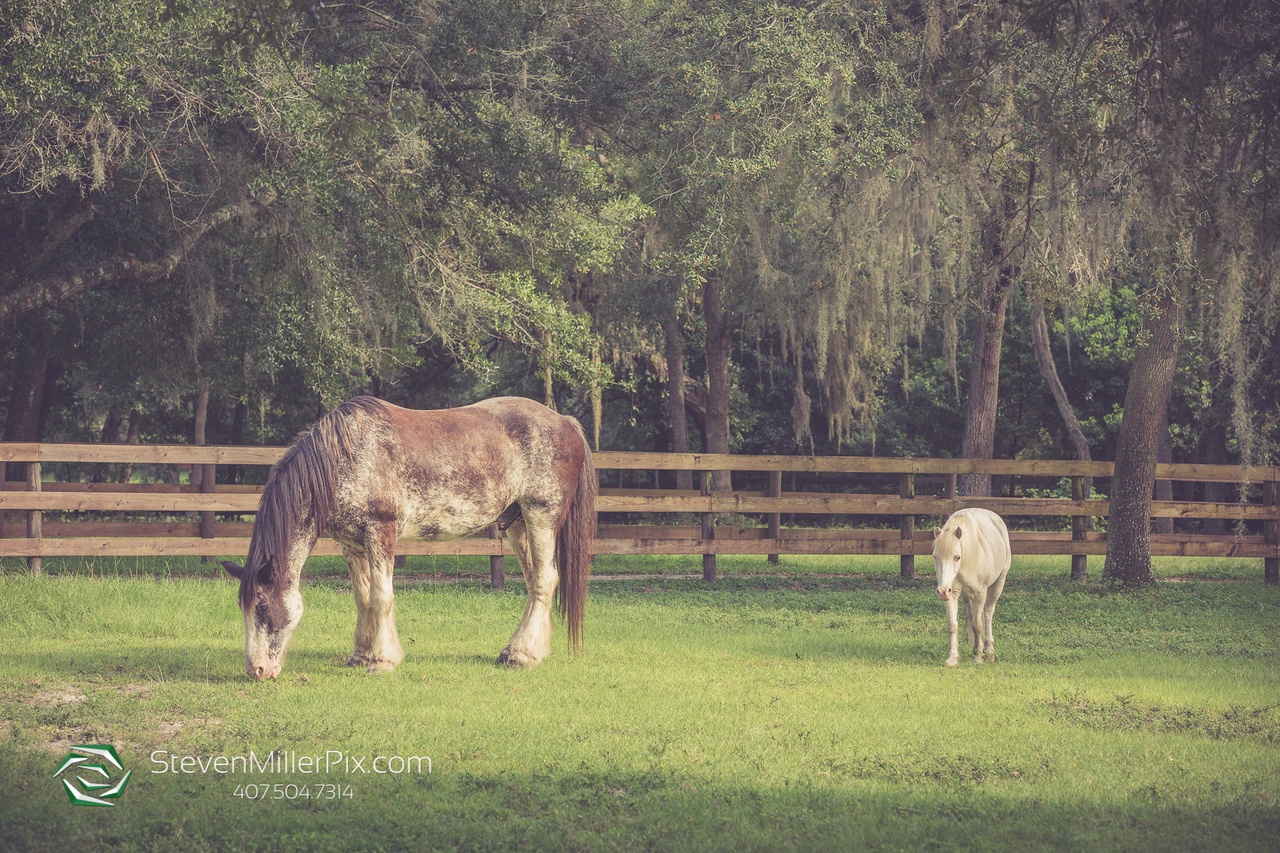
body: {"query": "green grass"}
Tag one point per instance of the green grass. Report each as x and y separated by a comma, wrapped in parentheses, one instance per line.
(455, 568)
(806, 710)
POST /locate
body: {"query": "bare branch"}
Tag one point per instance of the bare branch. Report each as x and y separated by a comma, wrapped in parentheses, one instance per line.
(55, 288)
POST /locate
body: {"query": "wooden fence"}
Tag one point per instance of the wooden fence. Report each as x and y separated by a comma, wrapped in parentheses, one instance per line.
(832, 505)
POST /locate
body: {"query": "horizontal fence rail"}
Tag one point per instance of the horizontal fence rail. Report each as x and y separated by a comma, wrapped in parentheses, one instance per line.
(834, 505)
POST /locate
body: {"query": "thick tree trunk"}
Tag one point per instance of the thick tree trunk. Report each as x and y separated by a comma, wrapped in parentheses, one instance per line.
(1137, 446)
(719, 337)
(27, 395)
(27, 404)
(675, 396)
(984, 380)
(26, 398)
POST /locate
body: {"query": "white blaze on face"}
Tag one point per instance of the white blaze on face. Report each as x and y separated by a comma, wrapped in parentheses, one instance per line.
(268, 628)
(946, 559)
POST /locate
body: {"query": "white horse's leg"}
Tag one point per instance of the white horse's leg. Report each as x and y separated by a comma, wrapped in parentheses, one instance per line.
(989, 615)
(953, 606)
(384, 647)
(975, 608)
(358, 568)
(535, 549)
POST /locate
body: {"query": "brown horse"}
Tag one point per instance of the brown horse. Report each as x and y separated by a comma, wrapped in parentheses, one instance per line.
(370, 473)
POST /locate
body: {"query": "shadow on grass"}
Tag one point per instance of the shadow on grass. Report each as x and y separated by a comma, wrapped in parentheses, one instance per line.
(455, 808)
(169, 664)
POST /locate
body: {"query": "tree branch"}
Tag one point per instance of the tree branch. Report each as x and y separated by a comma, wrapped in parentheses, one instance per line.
(55, 288)
(32, 248)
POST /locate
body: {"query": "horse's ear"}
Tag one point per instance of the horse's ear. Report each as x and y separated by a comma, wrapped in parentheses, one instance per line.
(957, 532)
(233, 569)
(937, 531)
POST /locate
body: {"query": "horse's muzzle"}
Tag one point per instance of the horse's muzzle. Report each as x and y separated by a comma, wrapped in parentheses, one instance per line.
(263, 669)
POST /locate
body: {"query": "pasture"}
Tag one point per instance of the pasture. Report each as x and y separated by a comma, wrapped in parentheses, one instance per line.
(803, 706)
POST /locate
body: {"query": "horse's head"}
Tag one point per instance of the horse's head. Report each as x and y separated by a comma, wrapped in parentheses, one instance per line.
(272, 607)
(946, 558)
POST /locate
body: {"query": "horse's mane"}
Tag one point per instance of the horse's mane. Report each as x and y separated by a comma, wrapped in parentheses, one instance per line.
(301, 493)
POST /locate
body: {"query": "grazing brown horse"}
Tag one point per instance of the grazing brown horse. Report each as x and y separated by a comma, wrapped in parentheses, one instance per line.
(370, 473)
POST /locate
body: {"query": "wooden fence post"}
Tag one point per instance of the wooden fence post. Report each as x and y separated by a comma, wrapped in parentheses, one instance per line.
(775, 518)
(1079, 526)
(708, 532)
(1271, 533)
(208, 482)
(497, 571)
(907, 528)
(34, 564)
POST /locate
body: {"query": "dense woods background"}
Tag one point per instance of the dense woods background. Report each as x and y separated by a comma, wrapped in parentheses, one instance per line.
(1037, 229)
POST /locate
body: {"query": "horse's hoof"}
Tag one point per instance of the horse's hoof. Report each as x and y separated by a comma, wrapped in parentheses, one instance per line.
(991, 657)
(380, 666)
(953, 662)
(515, 658)
(357, 660)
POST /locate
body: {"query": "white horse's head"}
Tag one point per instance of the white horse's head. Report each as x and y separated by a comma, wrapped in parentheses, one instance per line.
(272, 608)
(947, 552)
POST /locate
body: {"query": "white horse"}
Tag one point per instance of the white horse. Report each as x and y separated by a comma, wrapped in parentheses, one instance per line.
(971, 556)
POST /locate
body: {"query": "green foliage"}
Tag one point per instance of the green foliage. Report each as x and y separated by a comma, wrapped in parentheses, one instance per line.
(506, 191)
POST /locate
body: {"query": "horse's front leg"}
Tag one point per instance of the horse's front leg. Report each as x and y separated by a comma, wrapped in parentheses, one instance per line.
(535, 549)
(953, 612)
(361, 578)
(384, 651)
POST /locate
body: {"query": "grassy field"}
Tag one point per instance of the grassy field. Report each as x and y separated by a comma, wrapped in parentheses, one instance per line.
(806, 708)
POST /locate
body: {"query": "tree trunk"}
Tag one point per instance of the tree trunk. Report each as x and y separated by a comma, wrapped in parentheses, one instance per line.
(238, 419)
(26, 399)
(130, 436)
(1049, 372)
(1146, 403)
(1215, 453)
(1164, 488)
(719, 336)
(26, 403)
(675, 396)
(201, 423)
(984, 379)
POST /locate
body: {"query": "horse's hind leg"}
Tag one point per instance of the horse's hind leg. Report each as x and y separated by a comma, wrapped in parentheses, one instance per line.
(989, 615)
(535, 549)
(974, 610)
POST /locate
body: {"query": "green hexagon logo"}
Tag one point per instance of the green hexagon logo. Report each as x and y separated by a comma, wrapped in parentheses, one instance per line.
(92, 766)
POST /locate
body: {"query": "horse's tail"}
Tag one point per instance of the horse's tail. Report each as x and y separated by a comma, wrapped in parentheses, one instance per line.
(574, 547)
